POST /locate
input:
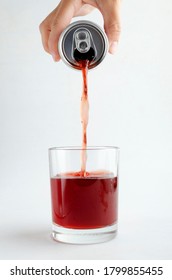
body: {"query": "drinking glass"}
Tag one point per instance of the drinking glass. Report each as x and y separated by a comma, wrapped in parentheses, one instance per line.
(84, 204)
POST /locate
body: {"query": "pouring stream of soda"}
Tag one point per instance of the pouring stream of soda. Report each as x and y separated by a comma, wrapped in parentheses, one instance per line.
(84, 111)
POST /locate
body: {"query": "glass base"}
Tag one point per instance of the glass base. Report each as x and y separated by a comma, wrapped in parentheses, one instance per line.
(84, 236)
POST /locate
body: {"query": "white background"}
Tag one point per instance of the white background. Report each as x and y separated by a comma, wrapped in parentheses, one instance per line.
(130, 106)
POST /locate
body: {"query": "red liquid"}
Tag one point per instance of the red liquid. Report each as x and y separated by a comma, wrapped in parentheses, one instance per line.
(84, 202)
(84, 110)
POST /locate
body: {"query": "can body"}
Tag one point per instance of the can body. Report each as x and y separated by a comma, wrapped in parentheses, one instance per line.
(83, 40)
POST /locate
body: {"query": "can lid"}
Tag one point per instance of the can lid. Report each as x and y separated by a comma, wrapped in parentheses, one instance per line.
(82, 36)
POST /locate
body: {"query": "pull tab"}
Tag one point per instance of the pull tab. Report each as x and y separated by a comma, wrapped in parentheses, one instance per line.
(82, 40)
(83, 44)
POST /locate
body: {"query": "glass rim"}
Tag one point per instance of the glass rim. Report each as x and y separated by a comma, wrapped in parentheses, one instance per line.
(79, 148)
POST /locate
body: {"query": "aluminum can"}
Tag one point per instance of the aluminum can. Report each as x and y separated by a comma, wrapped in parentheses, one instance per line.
(83, 40)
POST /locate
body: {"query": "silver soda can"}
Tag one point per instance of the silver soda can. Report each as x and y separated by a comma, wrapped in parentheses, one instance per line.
(83, 40)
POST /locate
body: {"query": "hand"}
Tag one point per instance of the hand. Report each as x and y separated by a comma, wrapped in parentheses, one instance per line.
(61, 16)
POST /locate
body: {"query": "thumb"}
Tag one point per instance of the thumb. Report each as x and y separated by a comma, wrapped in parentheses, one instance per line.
(110, 12)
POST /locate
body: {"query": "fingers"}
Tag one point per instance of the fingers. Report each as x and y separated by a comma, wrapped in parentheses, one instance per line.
(85, 9)
(62, 19)
(55, 23)
(44, 36)
(45, 29)
(110, 11)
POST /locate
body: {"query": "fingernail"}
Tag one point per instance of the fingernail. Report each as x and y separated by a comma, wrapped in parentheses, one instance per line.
(54, 56)
(113, 47)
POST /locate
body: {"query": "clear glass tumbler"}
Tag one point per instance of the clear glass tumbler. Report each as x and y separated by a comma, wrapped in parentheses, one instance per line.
(84, 205)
